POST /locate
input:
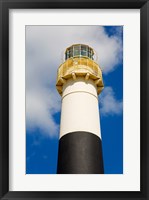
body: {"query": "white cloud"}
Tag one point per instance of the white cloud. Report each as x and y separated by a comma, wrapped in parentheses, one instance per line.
(41, 104)
(109, 104)
(45, 46)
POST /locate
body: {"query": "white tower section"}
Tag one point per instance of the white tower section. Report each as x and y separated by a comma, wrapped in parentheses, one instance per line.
(80, 107)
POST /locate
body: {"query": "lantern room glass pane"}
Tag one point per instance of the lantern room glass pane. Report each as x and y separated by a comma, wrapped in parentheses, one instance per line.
(76, 51)
(84, 50)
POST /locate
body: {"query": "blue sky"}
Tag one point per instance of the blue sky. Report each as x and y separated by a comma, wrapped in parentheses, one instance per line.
(44, 53)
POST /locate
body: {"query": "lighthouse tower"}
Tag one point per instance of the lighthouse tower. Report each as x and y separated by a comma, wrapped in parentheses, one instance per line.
(79, 82)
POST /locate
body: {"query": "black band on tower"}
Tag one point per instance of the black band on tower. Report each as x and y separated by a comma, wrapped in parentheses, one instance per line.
(80, 153)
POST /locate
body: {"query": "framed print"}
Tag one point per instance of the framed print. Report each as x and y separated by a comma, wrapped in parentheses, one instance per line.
(74, 99)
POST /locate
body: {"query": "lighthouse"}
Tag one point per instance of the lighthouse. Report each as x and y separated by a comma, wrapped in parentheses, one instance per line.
(79, 82)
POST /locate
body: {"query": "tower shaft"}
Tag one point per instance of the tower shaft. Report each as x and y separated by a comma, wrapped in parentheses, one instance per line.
(80, 149)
